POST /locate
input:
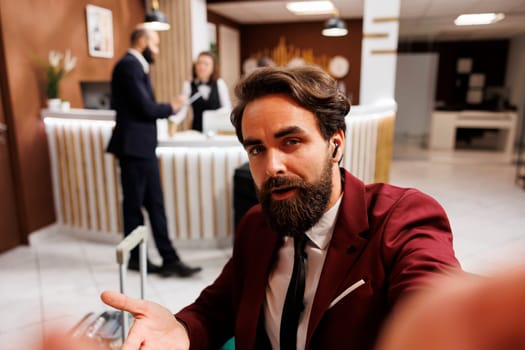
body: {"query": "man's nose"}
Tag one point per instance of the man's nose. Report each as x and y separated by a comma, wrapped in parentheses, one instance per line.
(275, 162)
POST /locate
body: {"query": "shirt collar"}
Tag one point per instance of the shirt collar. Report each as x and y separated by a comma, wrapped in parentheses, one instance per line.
(321, 233)
(142, 60)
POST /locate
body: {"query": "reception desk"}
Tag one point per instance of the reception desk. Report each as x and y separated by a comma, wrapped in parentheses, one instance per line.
(196, 169)
(445, 125)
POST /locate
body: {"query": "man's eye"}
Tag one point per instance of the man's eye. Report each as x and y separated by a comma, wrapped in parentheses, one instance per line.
(292, 142)
(255, 150)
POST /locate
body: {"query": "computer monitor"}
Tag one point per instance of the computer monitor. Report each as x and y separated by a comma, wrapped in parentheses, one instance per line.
(96, 94)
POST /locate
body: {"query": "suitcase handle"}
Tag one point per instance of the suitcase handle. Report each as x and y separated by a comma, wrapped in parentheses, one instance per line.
(137, 237)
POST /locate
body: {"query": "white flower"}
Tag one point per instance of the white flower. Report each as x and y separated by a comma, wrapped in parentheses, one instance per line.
(69, 61)
(54, 58)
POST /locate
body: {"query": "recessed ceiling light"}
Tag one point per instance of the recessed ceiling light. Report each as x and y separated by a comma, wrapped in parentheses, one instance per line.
(310, 7)
(478, 18)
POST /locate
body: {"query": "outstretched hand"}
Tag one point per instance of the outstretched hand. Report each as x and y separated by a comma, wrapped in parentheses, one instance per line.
(155, 327)
(461, 312)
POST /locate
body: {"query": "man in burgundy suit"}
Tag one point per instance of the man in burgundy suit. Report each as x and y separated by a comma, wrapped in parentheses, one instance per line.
(367, 246)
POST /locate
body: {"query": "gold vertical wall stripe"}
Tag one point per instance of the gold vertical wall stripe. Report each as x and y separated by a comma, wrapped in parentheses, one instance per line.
(214, 199)
(116, 196)
(385, 141)
(62, 179)
(91, 140)
(175, 199)
(105, 190)
(84, 173)
(187, 194)
(200, 200)
(68, 177)
(385, 19)
(77, 177)
(70, 147)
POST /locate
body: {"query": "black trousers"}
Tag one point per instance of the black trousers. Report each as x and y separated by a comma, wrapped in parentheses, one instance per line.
(140, 179)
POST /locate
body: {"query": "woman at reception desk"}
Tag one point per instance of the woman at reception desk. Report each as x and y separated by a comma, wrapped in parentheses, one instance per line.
(196, 170)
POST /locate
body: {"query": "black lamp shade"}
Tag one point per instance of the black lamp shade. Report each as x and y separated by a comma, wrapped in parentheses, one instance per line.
(335, 26)
(156, 20)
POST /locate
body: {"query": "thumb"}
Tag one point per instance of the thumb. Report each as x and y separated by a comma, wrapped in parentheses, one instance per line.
(122, 302)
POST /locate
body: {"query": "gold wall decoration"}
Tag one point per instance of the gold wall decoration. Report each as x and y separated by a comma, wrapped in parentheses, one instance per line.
(282, 54)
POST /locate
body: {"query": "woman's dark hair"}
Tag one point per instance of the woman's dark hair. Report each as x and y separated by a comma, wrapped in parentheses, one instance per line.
(311, 87)
(215, 73)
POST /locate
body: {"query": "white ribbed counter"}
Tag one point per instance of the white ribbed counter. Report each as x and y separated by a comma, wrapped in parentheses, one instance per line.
(196, 170)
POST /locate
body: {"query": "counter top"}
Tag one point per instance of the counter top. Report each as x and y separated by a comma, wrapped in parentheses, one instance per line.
(187, 138)
(79, 113)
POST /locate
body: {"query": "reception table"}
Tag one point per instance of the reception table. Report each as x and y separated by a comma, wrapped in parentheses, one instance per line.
(196, 169)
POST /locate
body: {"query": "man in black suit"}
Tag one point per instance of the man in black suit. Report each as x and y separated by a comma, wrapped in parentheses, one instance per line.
(134, 141)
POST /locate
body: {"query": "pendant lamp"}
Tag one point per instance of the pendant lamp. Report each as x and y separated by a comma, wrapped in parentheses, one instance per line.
(155, 19)
(335, 26)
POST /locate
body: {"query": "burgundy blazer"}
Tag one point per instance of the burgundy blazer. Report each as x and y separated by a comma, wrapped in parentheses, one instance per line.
(392, 238)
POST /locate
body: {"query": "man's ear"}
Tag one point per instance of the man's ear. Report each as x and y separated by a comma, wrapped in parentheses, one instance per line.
(338, 141)
(143, 42)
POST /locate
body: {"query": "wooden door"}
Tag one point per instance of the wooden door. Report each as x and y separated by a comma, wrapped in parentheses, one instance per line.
(10, 234)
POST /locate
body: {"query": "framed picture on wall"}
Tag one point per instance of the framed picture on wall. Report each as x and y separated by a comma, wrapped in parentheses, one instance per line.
(99, 31)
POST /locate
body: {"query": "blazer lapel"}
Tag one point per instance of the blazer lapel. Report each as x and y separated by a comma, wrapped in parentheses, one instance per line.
(263, 246)
(345, 247)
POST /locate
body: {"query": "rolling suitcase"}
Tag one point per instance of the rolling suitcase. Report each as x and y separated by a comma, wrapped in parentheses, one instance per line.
(109, 328)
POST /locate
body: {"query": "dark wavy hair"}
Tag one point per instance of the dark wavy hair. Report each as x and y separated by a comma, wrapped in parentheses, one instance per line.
(310, 87)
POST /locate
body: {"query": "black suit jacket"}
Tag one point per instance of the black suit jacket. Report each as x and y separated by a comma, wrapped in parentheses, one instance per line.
(135, 132)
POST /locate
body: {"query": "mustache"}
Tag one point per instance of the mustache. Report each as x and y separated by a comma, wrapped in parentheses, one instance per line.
(281, 181)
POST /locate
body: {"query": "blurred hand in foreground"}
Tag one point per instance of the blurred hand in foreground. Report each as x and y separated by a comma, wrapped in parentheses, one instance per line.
(461, 312)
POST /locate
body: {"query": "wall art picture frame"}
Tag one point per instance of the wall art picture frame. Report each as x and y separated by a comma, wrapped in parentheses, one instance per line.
(99, 22)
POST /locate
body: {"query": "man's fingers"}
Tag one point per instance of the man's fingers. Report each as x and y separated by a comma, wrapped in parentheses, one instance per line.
(123, 302)
(132, 342)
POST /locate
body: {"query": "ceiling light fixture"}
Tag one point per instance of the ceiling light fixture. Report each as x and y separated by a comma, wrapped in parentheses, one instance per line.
(478, 19)
(155, 19)
(310, 7)
(335, 26)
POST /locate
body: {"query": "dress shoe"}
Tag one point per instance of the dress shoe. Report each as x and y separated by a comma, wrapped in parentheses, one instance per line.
(151, 267)
(178, 268)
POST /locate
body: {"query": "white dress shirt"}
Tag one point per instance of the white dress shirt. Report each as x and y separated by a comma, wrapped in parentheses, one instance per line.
(316, 248)
(142, 60)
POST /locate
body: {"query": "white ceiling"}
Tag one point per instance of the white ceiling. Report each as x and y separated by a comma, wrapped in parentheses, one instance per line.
(419, 19)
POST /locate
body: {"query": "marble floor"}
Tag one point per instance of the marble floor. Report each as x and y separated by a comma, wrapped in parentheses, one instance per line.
(57, 279)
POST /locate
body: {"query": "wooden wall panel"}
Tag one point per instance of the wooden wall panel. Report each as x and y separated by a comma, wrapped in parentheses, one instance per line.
(29, 30)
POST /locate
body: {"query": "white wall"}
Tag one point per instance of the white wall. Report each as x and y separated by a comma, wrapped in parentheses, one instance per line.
(416, 75)
(515, 79)
(378, 54)
(199, 28)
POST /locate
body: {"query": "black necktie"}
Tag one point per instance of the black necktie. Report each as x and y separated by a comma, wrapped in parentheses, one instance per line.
(294, 304)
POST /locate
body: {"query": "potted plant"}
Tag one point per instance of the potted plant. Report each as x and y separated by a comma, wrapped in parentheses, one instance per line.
(57, 67)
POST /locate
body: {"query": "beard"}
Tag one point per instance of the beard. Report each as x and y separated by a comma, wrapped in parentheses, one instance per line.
(295, 215)
(148, 55)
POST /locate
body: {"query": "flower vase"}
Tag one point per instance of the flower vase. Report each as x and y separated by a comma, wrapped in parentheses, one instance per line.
(54, 104)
